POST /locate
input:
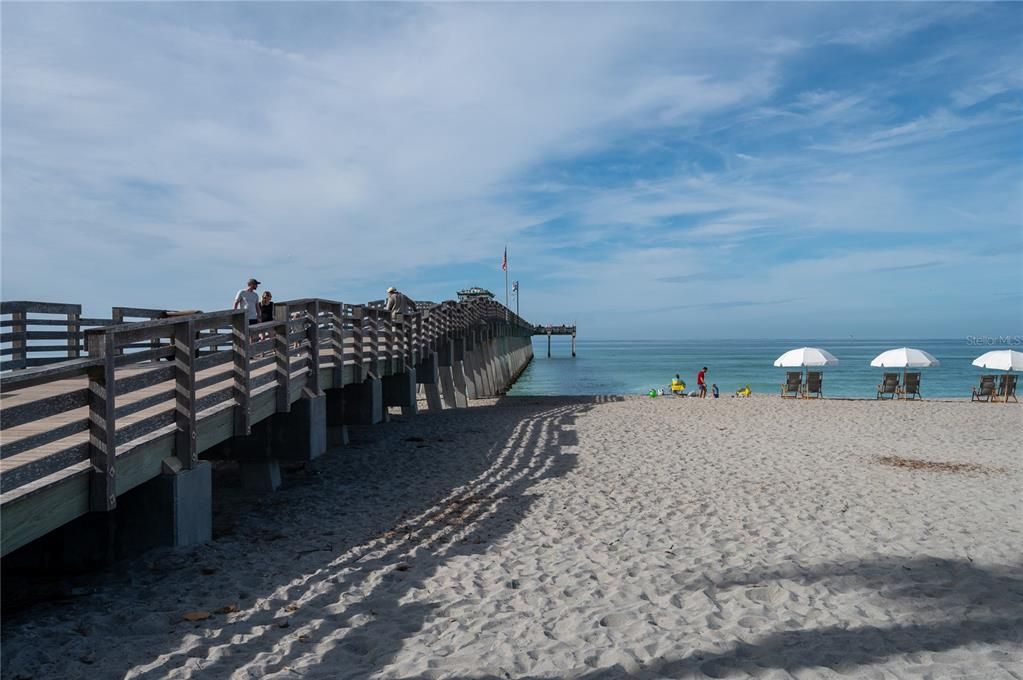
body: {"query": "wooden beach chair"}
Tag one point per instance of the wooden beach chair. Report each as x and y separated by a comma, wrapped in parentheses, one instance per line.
(814, 384)
(911, 388)
(986, 390)
(889, 386)
(1007, 388)
(793, 386)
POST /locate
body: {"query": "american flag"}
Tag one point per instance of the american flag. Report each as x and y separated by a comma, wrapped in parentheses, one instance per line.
(504, 262)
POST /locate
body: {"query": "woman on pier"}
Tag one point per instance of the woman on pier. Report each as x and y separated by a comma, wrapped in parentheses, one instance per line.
(266, 307)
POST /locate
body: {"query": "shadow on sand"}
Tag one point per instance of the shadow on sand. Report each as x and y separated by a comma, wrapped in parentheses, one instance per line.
(355, 597)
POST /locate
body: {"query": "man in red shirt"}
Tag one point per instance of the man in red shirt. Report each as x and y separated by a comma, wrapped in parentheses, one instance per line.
(702, 383)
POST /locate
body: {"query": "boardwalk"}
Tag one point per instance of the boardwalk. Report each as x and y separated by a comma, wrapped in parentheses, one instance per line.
(136, 400)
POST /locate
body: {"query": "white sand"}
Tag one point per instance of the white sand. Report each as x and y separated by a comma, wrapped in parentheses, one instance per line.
(554, 538)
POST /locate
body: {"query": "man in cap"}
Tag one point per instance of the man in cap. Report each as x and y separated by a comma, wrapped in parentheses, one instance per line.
(249, 301)
(397, 302)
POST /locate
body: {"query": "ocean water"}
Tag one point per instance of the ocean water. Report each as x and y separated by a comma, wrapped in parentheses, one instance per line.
(633, 367)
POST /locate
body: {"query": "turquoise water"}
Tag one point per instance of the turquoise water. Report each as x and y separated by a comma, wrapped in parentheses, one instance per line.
(633, 367)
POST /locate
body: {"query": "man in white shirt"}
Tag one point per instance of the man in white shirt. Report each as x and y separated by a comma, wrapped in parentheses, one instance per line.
(249, 301)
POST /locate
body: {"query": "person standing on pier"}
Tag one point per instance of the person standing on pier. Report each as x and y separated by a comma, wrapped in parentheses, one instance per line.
(249, 301)
(397, 302)
(266, 307)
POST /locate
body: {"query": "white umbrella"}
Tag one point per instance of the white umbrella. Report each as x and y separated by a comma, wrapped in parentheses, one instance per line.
(806, 356)
(904, 357)
(1001, 360)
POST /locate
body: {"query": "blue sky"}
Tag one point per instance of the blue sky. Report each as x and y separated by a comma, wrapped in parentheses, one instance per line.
(657, 170)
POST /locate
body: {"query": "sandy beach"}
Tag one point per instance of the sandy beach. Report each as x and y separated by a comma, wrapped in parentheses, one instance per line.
(600, 537)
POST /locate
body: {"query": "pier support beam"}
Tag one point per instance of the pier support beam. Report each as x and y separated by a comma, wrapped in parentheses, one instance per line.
(301, 433)
(180, 507)
(363, 402)
(469, 363)
(428, 375)
(400, 390)
(337, 430)
(458, 373)
(489, 370)
(260, 475)
(445, 360)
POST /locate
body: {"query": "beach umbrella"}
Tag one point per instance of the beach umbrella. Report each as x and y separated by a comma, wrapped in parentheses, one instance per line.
(1001, 360)
(904, 357)
(806, 356)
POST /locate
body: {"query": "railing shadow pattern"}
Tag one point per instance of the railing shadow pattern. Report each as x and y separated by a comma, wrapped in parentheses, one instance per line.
(351, 595)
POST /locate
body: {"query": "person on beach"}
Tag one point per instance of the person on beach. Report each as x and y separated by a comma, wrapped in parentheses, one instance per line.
(266, 307)
(714, 390)
(678, 386)
(248, 300)
(397, 302)
(701, 382)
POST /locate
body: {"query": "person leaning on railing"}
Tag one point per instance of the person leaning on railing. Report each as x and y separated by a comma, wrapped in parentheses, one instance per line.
(397, 302)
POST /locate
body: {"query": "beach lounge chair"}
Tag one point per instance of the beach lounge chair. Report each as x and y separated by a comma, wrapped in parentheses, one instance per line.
(814, 384)
(911, 389)
(678, 387)
(1007, 388)
(986, 390)
(888, 388)
(793, 386)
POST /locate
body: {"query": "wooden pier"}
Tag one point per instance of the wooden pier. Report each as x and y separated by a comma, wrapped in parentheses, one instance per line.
(127, 403)
(551, 331)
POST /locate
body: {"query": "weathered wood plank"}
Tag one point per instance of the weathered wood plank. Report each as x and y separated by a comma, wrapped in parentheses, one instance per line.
(102, 425)
(139, 381)
(32, 377)
(185, 439)
(51, 434)
(38, 468)
(25, 306)
(39, 409)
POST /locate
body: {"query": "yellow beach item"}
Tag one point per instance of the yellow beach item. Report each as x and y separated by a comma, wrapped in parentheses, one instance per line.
(677, 386)
(743, 391)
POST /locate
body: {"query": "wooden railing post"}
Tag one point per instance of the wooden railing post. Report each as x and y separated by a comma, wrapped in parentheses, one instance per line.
(185, 437)
(357, 347)
(337, 341)
(418, 334)
(312, 334)
(19, 345)
(370, 335)
(74, 336)
(282, 360)
(116, 318)
(102, 425)
(242, 375)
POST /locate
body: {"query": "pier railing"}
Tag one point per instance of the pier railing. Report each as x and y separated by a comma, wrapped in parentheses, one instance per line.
(192, 381)
(38, 333)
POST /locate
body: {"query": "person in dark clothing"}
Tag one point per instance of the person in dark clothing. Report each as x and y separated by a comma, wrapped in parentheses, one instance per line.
(266, 307)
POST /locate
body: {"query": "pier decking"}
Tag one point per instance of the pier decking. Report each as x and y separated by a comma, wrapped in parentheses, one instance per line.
(550, 331)
(129, 402)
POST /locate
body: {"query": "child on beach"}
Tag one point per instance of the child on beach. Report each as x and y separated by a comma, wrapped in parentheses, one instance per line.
(714, 390)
